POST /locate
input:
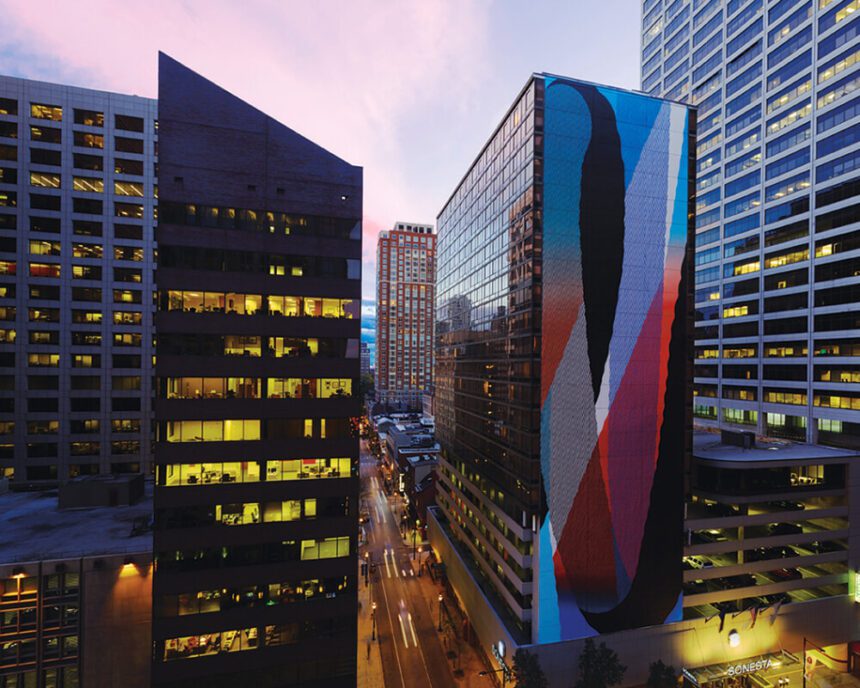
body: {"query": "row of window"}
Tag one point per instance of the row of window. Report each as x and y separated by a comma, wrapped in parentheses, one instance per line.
(90, 118)
(238, 430)
(251, 304)
(218, 472)
(251, 388)
(251, 513)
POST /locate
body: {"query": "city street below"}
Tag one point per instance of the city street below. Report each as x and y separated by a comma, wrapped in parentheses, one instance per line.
(400, 644)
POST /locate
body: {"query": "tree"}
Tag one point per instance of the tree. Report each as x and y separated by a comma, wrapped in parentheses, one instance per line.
(661, 676)
(527, 670)
(599, 667)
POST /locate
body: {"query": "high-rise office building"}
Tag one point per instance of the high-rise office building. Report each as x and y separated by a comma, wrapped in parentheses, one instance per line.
(561, 381)
(258, 362)
(365, 358)
(777, 207)
(405, 311)
(77, 202)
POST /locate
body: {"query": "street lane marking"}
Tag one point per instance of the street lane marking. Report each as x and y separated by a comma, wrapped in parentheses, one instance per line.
(412, 627)
(394, 646)
(385, 556)
(403, 631)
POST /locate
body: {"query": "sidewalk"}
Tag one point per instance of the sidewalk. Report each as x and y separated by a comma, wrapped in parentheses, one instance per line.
(369, 669)
(466, 664)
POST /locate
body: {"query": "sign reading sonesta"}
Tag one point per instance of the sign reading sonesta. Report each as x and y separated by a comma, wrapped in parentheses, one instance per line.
(750, 667)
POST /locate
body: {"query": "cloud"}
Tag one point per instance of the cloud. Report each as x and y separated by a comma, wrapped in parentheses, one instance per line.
(356, 77)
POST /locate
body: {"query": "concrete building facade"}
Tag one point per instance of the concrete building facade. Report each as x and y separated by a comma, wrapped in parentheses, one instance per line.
(405, 308)
(78, 183)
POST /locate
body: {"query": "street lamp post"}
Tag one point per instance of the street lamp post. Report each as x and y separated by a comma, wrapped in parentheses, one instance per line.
(440, 612)
(415, 537)
(366, 569)
(373, 617)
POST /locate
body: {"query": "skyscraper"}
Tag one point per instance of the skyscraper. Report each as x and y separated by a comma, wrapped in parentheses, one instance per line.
(405, 307)
(561, 379)
(77, 202)
(776, 204)
(258, 363)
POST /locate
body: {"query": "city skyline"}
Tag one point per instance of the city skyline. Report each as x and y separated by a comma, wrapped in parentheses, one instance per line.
(412, 151)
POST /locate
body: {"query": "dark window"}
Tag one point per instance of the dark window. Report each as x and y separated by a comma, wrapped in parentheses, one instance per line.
(122, 231)
(89, 162)
(8, 175)
(8, 152)
(44, 202)
(126, 145)
(86, 404)
(46, 134)
(9, 130)
(129, 123)
(87, 228)
(87, 140)
(43, 156)
(37, 405)
(8, 106)
(128, 166)
(87, 206)
(45, 224)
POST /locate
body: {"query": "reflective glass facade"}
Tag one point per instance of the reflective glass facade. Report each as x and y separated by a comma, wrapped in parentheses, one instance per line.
(562, 360)
(776, 86)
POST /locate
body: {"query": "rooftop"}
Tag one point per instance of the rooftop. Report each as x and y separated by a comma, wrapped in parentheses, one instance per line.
(708, 446)
(33, 528)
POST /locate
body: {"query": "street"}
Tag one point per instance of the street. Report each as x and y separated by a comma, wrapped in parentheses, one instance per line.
(407, 609)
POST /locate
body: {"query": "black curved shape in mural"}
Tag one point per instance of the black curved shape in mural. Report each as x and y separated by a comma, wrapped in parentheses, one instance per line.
(601, 221)
(656, 587)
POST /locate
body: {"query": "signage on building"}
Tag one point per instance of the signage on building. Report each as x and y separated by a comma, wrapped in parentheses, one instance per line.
(750, 667)
(857, 586)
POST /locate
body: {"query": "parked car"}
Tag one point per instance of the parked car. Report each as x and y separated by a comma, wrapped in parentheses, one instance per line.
(719, 509)
(785, 528)
(781, 575)
(763, 553)
(822, 546)
(786, 505)
(710, 535)
(695, 587)
(741, 580)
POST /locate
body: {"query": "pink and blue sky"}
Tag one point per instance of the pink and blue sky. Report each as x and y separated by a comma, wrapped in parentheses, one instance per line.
(408, 90)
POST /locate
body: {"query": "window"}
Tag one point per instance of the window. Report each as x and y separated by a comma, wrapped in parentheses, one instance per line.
(128, 188)
(129, 123)
(8, 106)
(89, 118)
(126, 145)
(88, 184)
(45, 270)
(87, 140)
(42, 111)
(128, 210)
(213, 430)
(46, 134)
(45, 180)
(134, 167)
(89, 162)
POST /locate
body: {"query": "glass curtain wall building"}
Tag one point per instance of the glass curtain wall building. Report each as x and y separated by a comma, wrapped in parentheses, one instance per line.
(777, 207)
(78, 192)
(258, 364)
(562, 376)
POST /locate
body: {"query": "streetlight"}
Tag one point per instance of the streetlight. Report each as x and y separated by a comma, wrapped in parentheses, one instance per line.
(504, 671)
(415, 537)
(440, 612)
(373, 617)
(366, 568)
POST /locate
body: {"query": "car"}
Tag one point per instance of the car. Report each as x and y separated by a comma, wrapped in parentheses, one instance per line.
(364, 517)
(719, 509)
(710, 535)
(822, 546)
(785, 575)
(786, 505)
(785, 528)
(695, 587)
(741, 580)
(763, 553)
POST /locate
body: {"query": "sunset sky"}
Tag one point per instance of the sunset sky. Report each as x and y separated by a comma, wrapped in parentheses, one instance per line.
(408, 90)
